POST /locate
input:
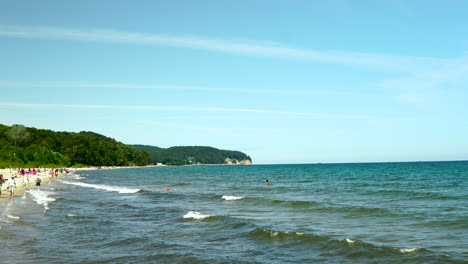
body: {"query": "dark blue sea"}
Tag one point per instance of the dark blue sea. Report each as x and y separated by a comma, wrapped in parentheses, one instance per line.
(315, 213)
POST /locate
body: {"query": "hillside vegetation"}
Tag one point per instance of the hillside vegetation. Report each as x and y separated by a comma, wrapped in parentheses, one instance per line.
(192, 155)
(22, 146)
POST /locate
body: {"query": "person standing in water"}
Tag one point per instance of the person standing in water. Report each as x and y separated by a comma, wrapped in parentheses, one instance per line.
(267, 182)
(38, 183)
(2, 181)
(25, 181)
(12, 185)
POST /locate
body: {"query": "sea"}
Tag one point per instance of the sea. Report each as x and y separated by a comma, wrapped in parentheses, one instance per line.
(311, 213)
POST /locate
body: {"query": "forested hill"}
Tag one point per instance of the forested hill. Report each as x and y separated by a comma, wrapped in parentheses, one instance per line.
(27, 147)
(22, 146)
(193, 155)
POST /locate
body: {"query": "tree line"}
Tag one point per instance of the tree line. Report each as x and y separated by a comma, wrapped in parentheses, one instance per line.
(28, 147)
(22, 146)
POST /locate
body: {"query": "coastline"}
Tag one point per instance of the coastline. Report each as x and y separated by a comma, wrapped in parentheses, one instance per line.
(46, 178)
(21, 188)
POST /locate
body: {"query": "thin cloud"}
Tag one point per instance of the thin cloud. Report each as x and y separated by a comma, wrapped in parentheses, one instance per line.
(196, 109)
(263, 49)
(64, 85)
(7, 84)
(419, 76)
(426, 88)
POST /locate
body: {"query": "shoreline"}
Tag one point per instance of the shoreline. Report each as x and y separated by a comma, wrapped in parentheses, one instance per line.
(21, 188)
(46, 178)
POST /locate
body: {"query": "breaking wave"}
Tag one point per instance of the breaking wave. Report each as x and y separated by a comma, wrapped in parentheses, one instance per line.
(118, 189)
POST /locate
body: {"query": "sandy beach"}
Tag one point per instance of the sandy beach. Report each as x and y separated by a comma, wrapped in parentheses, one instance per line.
(45, 174)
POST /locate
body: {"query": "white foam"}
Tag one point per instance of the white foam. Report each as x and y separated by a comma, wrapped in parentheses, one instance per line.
(196, 215)
(72, 215)
(408, 250)
(13, 216)
(231, 198)
(350, 241)
(104, 187)
(42, 197)
(78, 177)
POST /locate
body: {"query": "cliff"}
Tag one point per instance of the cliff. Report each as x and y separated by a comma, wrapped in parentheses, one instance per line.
(186, 155)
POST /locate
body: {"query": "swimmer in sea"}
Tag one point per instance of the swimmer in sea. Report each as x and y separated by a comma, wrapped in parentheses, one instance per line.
(267, 182)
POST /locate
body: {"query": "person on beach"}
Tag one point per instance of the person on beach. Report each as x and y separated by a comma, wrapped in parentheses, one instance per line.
(12, 185)
(38, 183)
(25, 181)
(2, 181)
(267, 182)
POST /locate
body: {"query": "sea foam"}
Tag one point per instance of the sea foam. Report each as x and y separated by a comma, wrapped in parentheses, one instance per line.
(104, 187)
(78, 177)
(196, 215)
(13, 216)
(408, 250)
(42, 197)
(231, 198)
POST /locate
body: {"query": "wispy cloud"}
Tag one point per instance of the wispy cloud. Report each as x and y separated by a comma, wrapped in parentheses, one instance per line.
(253, 48)
(65, 85)
(10, 84)
(427, 87)
(418, 76)
(217, 110)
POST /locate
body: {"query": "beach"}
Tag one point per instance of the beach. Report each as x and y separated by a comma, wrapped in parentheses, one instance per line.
(44, 174)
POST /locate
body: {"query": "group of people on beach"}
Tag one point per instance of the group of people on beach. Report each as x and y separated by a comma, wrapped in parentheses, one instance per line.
(11, 184)
(20, 172)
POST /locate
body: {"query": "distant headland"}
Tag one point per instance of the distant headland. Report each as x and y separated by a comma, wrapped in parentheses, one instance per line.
(25, 147)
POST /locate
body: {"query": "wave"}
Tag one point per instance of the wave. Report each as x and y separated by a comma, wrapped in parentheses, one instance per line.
(408, 250)
(313, 206)
(348, 248)
(231, 198)
(296, 203)
(42, 198)
(276, 236)
(78, 177)
(459, 223)
(196, 215)
(118, 189)
(13, 217)
(414, 195)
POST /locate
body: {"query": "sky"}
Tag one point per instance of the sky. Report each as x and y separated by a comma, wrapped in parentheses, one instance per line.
(283, 81)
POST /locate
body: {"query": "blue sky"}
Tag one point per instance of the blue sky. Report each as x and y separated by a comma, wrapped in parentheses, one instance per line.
(283, 81)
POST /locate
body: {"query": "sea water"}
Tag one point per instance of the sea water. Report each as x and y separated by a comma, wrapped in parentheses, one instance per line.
(316, 213)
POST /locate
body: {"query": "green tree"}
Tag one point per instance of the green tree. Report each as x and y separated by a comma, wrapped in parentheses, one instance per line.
(19, 134)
